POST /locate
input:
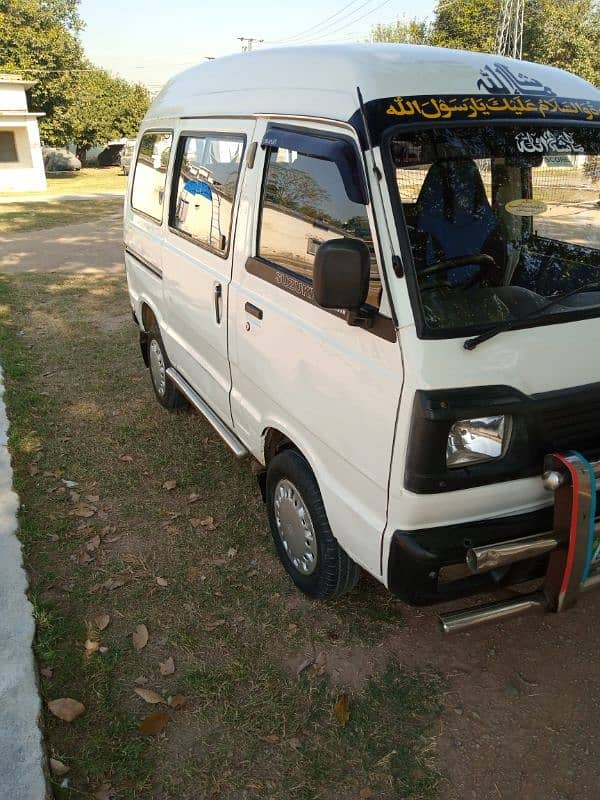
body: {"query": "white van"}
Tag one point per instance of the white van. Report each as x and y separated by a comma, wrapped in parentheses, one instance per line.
(375, 269)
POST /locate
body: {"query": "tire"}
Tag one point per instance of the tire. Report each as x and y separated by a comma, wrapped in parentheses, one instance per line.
(167, 394)
(303, 539)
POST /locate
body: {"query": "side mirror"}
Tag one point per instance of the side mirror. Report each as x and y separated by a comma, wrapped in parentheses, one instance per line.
(341, 274)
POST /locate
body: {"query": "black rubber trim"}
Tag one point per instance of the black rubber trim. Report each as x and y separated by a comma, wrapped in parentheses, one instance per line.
(302, 288)
(532, 436)
(144, 262)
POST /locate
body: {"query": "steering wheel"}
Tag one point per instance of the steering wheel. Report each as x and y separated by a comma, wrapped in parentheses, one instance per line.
(482, 260)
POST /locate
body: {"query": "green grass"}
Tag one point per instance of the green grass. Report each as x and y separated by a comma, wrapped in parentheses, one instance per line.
(89, 180)
(79, 399)
(31, 216)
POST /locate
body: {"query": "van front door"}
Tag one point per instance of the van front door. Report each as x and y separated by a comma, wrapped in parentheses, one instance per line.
(208, 167)
(330, 387)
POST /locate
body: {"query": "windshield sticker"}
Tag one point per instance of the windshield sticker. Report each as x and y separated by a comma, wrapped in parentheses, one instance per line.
(523, 207)
(547, 142)
(499, 79)
(415, 109)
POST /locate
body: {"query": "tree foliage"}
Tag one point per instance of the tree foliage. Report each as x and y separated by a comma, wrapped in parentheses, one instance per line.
(39, 40)
(564, 34)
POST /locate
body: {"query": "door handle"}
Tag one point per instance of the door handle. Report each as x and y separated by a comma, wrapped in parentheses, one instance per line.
(217, 294)
(254, 310)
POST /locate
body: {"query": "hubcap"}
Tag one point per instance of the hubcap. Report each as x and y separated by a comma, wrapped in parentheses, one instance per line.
(157, 367)
(295, 527)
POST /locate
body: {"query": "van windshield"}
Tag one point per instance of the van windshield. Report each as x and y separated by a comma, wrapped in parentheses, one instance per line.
(501, 219)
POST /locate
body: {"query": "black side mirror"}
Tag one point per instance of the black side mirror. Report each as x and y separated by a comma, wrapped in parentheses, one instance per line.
(341, 274)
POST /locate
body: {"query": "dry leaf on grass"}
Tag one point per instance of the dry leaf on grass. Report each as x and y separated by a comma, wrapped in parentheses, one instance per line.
(162, 581)
(149, 696)
(177, 700)
(153, 724)
(193, 498)
(167, 667)
(83, 510)
(58, 768)
(92, 498)
(84, 558)
(105, 792)
(140, 637)
(93, 544)
(33, 470)
(210, 626)
(66, 708)
(126, 458)
(141, 680)
(91, 647)
(209, 523)
(341, 709)
(101, 621)
(169, 485)
(232, 552)
(114, 583)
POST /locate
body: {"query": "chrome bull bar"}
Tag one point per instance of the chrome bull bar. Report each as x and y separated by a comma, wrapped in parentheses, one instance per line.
(573, 546)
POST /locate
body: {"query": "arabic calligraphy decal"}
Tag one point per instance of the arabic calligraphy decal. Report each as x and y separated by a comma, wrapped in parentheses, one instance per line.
(547, 142)
(417, 109)
(499, 79)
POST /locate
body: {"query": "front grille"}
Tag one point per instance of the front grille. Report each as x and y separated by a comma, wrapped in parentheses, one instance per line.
(572, 426)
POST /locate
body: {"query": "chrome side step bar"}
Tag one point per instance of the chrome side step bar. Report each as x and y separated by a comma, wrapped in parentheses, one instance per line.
(458, 621)
(230, 439)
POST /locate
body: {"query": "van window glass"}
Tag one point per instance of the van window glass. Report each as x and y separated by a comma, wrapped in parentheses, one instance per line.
(502, 221)
(305, 204)
(206, 181)
(148, 191)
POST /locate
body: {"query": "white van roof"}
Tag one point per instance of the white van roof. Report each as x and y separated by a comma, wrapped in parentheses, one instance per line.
(321, 81)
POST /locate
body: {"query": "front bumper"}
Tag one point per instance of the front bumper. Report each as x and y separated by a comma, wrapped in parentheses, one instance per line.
(569, 530)
(418, 559)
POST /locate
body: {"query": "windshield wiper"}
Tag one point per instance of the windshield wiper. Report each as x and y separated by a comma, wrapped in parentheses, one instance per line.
(510, 324)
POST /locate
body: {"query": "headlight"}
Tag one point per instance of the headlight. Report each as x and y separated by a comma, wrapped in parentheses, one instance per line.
(472, 441)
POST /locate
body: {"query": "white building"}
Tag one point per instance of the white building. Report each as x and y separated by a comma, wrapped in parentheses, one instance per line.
(21, 162)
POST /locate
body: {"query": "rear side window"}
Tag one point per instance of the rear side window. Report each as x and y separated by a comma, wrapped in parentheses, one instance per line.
(148, 192)
(204, 188)
(305, 203)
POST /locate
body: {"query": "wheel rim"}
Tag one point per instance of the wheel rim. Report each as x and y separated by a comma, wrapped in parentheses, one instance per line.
(157, 367)
(295, 527)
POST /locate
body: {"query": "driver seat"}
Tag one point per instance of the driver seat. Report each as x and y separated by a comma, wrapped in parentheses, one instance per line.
(454, 218)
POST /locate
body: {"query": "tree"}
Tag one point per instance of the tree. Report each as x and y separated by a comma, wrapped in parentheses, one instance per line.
(413, 31)
(84, 104)
(38, 40)
(565, 34)
(106, 108)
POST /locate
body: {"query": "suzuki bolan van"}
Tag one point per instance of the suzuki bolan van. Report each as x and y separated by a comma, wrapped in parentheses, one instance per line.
(375, 270)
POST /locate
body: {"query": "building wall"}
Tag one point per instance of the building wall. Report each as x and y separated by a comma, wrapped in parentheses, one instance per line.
(27, 173)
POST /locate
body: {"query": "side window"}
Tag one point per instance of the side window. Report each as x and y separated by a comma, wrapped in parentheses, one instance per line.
(304, 204)
(205, 183)
(148, 191)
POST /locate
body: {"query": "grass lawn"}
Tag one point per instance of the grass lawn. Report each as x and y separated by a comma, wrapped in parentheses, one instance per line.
(90, 180)
(164, 528)
(33, 215)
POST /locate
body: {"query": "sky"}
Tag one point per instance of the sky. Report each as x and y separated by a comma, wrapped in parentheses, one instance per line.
(147, 41)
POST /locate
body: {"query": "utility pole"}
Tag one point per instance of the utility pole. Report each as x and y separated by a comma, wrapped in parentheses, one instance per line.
(247, 43)
(509, 33)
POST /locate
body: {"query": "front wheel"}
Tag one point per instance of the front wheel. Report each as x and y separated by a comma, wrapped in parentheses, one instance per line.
(305, 544)
(167, 394)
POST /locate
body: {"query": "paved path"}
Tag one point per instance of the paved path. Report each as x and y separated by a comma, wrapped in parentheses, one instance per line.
(21, 754)
(85, 248)
(45, 197)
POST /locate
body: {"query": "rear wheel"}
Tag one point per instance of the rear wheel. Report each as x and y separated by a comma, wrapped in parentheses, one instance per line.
(166, 392)
(305, 544)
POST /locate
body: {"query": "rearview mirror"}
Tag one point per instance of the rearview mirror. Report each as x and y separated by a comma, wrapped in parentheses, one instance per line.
(341, 274)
